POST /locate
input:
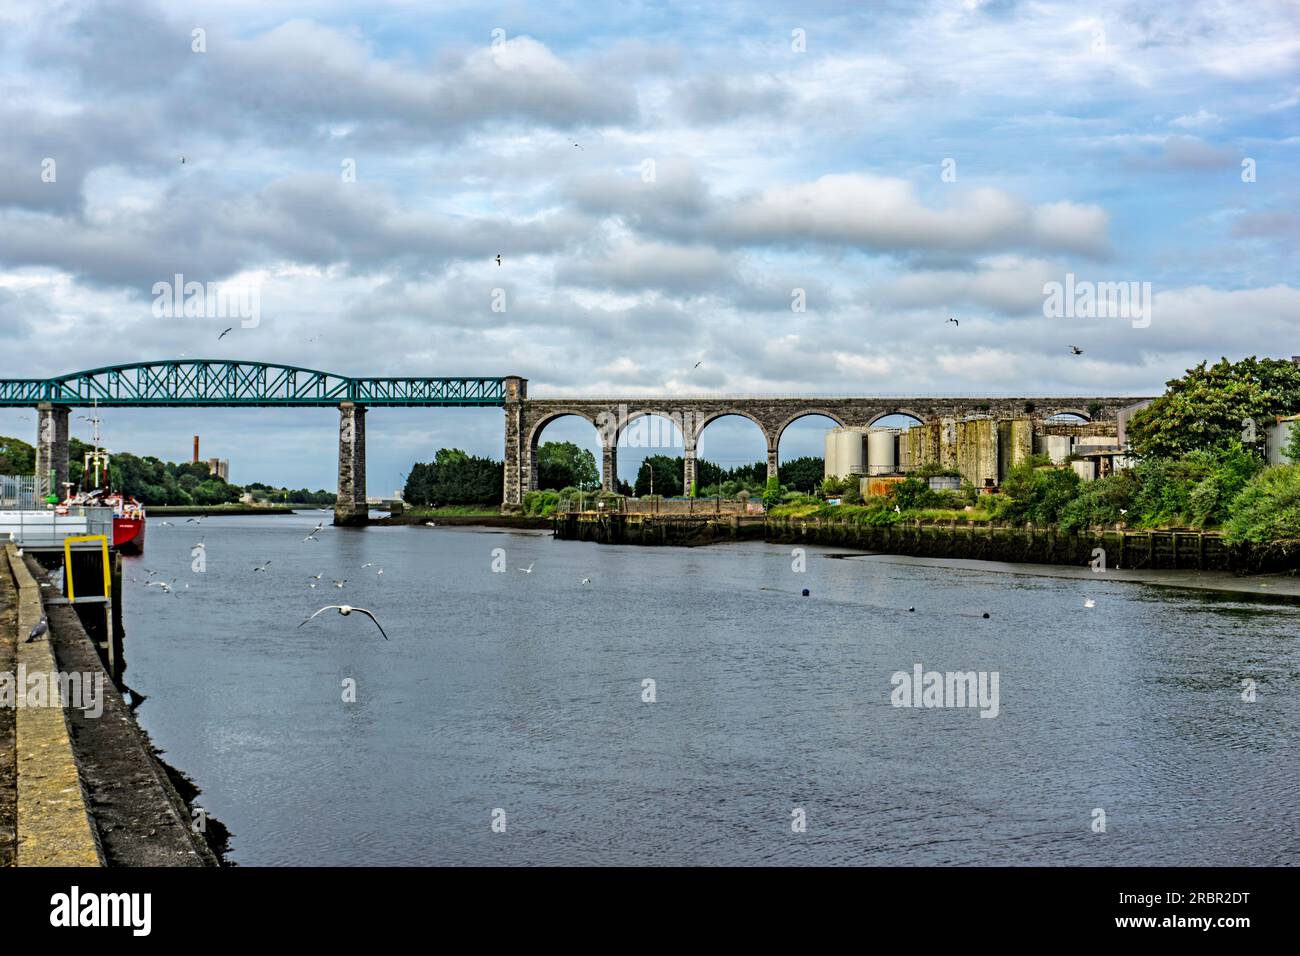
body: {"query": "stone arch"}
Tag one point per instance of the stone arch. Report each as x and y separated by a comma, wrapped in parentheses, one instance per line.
(778, 431)
(909, 412)
(1081, 412)
(528, 467)
(709, 418)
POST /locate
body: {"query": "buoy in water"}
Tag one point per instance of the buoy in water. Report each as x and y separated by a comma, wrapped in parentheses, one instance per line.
(806, 592)
(986, 614)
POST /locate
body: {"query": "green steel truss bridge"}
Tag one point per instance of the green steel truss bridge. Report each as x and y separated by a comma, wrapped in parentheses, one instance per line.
(215, 382)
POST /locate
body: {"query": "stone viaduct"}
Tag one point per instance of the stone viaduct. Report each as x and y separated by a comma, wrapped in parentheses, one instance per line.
(614, 418)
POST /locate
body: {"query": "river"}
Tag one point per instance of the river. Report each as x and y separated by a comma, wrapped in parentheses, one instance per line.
(525, 693)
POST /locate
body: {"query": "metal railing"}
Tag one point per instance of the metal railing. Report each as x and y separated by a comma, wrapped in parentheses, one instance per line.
(18, 493)
(46, 529)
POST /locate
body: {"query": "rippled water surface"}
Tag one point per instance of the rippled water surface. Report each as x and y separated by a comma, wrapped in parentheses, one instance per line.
(524, 692)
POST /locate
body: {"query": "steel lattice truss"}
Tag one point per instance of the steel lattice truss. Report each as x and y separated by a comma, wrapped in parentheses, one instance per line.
(215, 382)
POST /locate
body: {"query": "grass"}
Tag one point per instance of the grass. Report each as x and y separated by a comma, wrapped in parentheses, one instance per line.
(452, 510)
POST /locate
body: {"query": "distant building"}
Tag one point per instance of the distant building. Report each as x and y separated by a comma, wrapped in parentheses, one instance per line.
(219, 468)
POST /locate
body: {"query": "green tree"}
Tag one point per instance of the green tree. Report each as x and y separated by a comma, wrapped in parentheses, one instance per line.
(563, 464)
(668, 473)
(1206, 408)
(803, 474)
(1268, 508)
(16, 457)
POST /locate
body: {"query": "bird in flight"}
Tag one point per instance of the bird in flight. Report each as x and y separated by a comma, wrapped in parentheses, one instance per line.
(39, 629)
(368, 564)
(498, 258)
(699, 363)
(1076, 350)
(224, 334)
(200, 546)
(345, 610)
(198, 520)
(339, 584)
(529, 569)
(320, 526)
(576, 146)
(954, 321)
(167, 524)
(182, 160)
(317, 577)
(263, 566)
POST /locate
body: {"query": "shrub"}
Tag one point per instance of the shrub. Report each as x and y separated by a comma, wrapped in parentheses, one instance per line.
(1268, 508)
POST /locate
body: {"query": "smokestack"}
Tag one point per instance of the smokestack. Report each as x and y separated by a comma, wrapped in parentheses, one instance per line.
(196, 449)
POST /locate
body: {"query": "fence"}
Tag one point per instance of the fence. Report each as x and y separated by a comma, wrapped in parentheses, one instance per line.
(18, 493)
(45, 529)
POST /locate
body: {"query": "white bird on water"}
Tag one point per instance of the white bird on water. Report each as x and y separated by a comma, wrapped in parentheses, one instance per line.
(1089, 602)
(339, 584)
(345, 610)
(529, 569)
(586, 580)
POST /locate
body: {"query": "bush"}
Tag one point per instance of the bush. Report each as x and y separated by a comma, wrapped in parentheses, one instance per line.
(1101, 502)
(541, 503)
(1038, 493)
(1268, 508)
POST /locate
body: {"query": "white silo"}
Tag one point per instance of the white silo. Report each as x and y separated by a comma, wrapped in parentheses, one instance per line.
(831, 465)
(882, 451)
(850, 452)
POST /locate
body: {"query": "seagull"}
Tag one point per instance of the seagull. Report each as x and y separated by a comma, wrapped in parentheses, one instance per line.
(317, 577)
(498, 259)
(699, 363)
(198, 520)
(315, 531)
(39, 629)
(339, 584)
(529, 569)
(1076, 350)
(182, 160)
(345, 610)
(223, 334)
(954, 321)
(1089, 602)
(312, 585)
(897, 510)
(167, 524)
(380, 571)
(576, 146)
(586, 580)
(432, 524)
(368, 564)
(263, 566)
(200, 546)
(1123, 511)
(150, 572)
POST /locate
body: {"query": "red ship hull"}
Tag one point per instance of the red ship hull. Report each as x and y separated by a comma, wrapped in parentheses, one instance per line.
(128, 535)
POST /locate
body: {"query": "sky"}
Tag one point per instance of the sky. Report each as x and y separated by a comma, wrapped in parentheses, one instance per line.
(665, 184)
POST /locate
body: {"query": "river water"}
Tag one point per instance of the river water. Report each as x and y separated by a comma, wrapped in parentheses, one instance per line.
(524, 693)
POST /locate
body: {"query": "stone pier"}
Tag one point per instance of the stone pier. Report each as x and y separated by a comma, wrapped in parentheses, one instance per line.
(351, 508)
(519, 467)
(51, 450)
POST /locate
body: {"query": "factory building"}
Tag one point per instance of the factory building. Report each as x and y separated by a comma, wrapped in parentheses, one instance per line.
(981, 448)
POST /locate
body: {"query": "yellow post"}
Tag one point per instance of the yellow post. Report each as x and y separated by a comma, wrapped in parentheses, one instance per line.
(68, 542)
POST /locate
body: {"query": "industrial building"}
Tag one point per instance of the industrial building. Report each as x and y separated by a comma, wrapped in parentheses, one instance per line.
(982, 448)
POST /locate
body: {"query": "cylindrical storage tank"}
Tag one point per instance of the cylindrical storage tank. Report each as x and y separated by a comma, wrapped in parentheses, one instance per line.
(850, 452)
(831, 466)
(882, 451)
(1056, 447)
(1085, 468)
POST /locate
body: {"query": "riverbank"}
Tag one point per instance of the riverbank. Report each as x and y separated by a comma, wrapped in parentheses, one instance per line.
(1113, 549)
(193, 511)
(83, 784)
(485, 519)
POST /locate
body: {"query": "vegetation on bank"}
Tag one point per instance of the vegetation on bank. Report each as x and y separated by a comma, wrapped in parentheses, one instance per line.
(157, 482)
(1200, 465)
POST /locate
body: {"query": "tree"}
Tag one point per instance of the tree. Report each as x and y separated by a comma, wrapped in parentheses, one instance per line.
(1206, 408)
(667, 472)
(16, 457)
(804, 474)
(563, 464)
(454, 478)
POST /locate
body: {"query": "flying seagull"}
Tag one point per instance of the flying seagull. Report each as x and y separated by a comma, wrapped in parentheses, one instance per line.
(224, 334)
(39, 629)
(339, 584)
(368, 564)
(263, 566)
(1076, 350)
(498, 259)
(576, 146)
(954, 321)
(198, 520)
(529, 569)
(182, 160)
(317, 577)
(345, 610)
(699, 363)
